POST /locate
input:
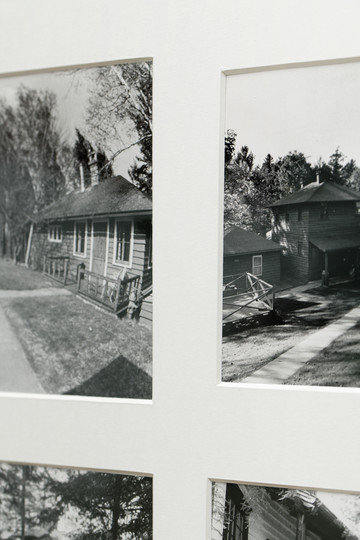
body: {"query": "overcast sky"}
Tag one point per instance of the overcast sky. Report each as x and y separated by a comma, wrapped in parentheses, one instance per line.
(312, 110)
(72, 92)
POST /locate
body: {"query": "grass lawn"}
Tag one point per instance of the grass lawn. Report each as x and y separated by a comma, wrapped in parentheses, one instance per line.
(300, 314)
(336, 365)
(14, 277)
(76, 349)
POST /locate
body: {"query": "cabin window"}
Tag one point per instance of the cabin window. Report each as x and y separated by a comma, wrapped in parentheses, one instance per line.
(300, 248)
(299, 214)
(123, 236)
(324, 210)
(358, 208)
(235, 518)
(80, 238)
(257, 265)
(55, 233)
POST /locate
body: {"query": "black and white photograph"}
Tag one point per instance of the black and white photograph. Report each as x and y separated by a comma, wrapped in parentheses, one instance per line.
(251, 512)
(291, 256)
(45, 503)
(76, 231)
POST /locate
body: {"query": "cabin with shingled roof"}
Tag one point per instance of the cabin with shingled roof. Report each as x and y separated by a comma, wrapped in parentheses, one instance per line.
(99, 241)
(318, 228)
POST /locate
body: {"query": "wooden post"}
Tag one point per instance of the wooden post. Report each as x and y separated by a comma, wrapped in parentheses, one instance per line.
(66, 267)
(44, 264)
(28, 247)
(78, 280)
(118, 287)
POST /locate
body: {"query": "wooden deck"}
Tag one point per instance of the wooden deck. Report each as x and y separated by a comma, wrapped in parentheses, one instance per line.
(245, 295)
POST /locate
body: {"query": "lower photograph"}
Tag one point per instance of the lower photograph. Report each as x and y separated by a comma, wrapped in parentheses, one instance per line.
(253, 512)
(50, 503)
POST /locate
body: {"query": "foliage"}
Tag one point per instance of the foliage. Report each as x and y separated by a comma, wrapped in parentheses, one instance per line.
(123, 94)
(31, 151)
(106, 505)
(249, 189)
(16, 190)
(38, 143)
(26, 501)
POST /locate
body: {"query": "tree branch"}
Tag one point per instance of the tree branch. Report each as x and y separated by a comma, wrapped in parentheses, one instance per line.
(123, 150)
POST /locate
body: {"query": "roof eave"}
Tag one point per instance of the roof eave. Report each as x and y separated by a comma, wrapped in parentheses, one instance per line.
(257, 251)
(126, 213)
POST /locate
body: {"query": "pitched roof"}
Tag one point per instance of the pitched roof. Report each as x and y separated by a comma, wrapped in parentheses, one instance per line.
(344, 239)
(113, 196)
(238, 241)
(324, 192)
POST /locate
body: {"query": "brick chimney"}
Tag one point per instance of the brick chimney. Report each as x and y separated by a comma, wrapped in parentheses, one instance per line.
(94, 169)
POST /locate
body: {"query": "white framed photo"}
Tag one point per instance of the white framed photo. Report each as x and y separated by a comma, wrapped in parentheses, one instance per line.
(76, 231)
(291, 226)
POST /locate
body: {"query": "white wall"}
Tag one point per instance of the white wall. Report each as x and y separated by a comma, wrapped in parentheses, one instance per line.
(194, 429)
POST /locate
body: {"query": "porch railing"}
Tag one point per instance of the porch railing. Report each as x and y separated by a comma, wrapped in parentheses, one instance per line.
(57, 268)
(111, 293)
(246, 290)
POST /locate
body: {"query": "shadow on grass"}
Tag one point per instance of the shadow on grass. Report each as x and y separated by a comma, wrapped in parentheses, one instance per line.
(120, 379)
(336, 365)
(292, 304)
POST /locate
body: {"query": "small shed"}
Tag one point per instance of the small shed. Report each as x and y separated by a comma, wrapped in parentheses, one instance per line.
(246, 251)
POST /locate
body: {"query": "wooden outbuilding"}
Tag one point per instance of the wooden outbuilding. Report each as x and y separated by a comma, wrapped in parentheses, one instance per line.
(318, 228)
(246, 251)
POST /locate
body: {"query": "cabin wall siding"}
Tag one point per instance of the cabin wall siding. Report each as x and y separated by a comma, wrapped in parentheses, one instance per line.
(273, 520)
(146, 311)
(341, 215)
(293, 235)
(43, 246)
(138, 263)
(299, 258)
(239, 264)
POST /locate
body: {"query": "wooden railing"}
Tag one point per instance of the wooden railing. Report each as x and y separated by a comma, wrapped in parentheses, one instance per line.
(111, 293)
(247, 290)
(56, 268)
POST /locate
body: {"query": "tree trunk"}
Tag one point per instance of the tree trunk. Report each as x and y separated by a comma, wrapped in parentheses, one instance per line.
(22, 506)
(116, 508)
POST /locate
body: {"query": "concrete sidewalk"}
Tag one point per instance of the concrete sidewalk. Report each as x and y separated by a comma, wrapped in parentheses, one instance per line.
(50, 291)
(16, 374)
(288, 363)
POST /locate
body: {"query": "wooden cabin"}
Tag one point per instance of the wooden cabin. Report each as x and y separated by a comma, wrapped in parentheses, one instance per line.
(246, 251)
(243, 512)
(103, 231)
(318, 228)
